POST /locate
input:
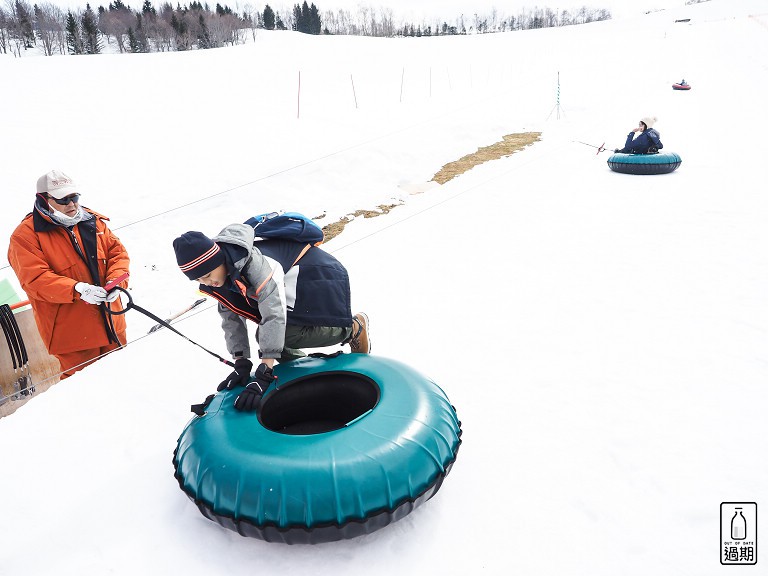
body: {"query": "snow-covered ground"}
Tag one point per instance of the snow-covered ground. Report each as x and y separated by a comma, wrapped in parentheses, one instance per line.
(604, 337)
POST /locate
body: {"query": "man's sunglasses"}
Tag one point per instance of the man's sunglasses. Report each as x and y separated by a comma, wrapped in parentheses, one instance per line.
(66, 200)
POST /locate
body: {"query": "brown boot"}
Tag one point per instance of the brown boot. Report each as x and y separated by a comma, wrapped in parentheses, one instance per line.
(361, 341)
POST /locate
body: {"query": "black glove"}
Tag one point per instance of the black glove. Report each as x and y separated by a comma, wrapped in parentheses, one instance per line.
(239, 377)
(250, 398)
(616, 150)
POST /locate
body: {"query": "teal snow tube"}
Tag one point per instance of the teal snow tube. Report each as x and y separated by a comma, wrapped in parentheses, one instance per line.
(340, 447)
(659, 163)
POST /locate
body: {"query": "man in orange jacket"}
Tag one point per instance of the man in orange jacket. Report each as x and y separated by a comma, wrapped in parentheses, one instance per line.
(63, 254)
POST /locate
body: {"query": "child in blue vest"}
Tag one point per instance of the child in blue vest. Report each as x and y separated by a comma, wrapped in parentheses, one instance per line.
(297, 293)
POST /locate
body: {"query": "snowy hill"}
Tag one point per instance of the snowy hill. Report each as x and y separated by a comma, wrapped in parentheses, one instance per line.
(602, 336)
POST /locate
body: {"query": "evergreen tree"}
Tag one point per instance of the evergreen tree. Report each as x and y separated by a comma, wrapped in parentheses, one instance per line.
(203, 36)
(279, 24)
(133, 44)
(315, 25)
(269, 18)
(180, 26)
(74, 40)
(306, 19)
(297, 22)
(305, 27)
(140, 36)
(24, 21)
(90, 32)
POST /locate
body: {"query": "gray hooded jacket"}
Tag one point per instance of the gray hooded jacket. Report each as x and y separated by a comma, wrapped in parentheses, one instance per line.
(265, 285)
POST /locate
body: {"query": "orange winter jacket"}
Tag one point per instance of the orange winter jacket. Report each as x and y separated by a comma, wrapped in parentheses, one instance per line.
(49, 259)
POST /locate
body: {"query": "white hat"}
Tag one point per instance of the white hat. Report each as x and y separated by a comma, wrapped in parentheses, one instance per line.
(649, 121)
(57, 184)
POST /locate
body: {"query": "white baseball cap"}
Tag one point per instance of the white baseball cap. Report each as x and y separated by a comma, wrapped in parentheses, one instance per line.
(57, 184)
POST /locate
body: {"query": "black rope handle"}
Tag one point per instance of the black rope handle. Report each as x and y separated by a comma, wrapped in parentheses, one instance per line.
(131, 305)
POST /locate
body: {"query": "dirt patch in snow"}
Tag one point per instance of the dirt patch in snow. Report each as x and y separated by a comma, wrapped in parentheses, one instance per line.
(509, 145)
(334, 229)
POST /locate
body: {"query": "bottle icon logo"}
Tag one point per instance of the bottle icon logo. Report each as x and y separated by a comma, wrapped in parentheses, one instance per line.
(738, 533)
(738, 525)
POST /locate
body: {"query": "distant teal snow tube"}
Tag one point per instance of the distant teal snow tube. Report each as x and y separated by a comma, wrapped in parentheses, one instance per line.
(659, 163)
(341, 447)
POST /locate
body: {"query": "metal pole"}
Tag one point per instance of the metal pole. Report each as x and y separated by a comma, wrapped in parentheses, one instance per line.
(353, 89)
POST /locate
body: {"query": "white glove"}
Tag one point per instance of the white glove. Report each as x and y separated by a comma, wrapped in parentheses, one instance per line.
(90, 293)
(112, 296)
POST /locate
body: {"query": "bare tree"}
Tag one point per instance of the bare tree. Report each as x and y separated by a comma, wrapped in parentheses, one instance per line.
(362, 20)
(550, 18)
(161, 31)
(115, 22)
(5, 23)
(582, 15)
(338, 22)
(387, 23)
(219, 30)
(374, 29)
(50, 21)
(494, 19)
(251, 19)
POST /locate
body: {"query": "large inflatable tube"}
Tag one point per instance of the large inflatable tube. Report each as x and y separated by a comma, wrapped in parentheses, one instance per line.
(340, 447)
(660, 163)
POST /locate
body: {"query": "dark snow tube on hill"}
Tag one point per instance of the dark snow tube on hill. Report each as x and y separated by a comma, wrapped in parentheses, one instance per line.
(660, 163)
(342, 446)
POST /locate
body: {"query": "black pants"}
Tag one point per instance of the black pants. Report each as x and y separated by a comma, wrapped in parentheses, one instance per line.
(297, 337)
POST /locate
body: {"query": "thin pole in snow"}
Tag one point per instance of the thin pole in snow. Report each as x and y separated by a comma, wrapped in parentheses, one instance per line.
(557, 105)
(353, 89)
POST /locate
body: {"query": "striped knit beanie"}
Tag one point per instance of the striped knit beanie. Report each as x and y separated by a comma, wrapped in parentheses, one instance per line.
(196, 254)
